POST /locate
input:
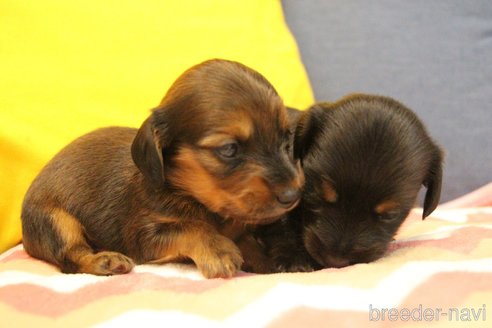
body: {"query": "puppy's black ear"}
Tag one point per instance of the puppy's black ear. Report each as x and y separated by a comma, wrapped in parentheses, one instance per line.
(308, 127)
(147, 152)
(433, 183)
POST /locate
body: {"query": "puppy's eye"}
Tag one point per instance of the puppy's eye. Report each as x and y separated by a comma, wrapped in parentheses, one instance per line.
(386, 217)
(228, 150)
(387, 211)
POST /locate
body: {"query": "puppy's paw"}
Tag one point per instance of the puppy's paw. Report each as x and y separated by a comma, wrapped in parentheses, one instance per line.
(294, 264)
(220, 258)
(258, 267)
(110, 263)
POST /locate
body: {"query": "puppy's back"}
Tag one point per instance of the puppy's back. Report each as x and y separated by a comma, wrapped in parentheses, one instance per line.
(98, 163)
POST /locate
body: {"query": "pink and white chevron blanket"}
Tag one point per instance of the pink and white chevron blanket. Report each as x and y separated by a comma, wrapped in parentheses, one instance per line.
(438, 272)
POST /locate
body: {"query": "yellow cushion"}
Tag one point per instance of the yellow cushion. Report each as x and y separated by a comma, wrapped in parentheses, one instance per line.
(68, 67)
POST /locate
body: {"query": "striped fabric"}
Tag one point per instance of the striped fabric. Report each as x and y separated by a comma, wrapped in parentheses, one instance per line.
(438, 272)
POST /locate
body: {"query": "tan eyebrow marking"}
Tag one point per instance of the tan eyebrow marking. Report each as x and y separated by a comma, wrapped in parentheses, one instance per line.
(329, 192)
(215, 140)
(232, 126)
(386, 206)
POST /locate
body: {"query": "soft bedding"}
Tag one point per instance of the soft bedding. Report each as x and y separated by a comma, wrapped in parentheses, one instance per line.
(69, 67)
(437, 272)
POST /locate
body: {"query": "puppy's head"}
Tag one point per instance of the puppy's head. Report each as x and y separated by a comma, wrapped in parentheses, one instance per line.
(221, 135)
(365, 159)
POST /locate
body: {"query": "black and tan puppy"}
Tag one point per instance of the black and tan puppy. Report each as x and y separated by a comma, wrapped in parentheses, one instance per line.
(365, 159)
(213, 158)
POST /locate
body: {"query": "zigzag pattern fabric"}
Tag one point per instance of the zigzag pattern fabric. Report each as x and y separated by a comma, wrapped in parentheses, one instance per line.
(437, 271)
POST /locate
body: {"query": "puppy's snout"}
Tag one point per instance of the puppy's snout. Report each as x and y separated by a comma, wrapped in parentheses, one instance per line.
(335, 262)
(288, 197)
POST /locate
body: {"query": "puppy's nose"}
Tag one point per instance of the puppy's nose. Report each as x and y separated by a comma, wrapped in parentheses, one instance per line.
(288, 197)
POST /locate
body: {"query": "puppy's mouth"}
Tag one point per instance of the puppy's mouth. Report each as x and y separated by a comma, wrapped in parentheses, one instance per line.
(332, 261)
(261, 221)
(256, 215)
(335, 261)
(251, 218)
(328, 258)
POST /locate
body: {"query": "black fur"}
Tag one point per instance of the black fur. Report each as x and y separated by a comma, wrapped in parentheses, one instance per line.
(370, 150)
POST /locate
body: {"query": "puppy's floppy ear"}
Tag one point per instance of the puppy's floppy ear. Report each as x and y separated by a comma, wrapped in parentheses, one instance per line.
(307, 129)
(147, 152)
(433, 183)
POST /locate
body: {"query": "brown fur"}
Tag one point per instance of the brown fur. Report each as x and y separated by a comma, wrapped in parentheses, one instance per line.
(171, 190)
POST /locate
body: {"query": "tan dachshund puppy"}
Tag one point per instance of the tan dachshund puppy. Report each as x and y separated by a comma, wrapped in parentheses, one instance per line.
(213, 158)
(365, 159)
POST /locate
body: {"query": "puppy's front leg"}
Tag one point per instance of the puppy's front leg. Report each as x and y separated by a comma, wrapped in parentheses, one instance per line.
(255, 256)
(284, 245)
(164, 240)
